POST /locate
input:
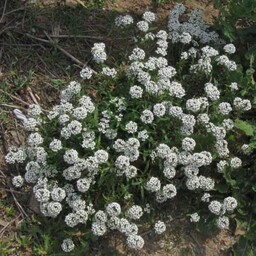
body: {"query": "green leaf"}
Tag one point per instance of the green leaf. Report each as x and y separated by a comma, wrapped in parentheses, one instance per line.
(252, 144)
(244, 126)
(251, 51)
(229, 31)
(142, 193)
(209, 228)
(254, 187)
(229, 180)
(243, 248)
(222, 187)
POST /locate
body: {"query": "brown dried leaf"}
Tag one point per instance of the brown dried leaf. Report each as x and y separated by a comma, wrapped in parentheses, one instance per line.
(3, 223)
(240, 231)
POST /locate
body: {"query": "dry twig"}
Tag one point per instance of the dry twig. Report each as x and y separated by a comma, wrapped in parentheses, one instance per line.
(32, 95)
(10, 106)
(3, 14)
(14, 97)
(20, 208)
(64, 51)
(51, 41)
(79, 36)
(8, 224)
(2, 137)
(37, 38)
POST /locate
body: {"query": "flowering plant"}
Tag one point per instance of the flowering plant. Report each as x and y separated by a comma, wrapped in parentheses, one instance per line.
(158, 128)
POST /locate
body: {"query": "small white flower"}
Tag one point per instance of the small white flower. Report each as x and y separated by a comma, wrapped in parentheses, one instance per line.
(72, 219)
(111, 72)
(188, 144)
(123, 21)
(100, 216)
(137, 54)
(149, 16)
(185, 38)
(54, 209)
(71, 156)
(229, 48)
(206, 198)
(193, 183)
(34, 110)
(35, 139)
(147, 116)
(225, 108)
(212, 91)
(17, 181)
(143, 26)
(233, 86)
(235, 162)
(67, 245)
(42, 195)
(167, 72)
(101, 156)
(242, 104)
(98, 52)
(143, 135)
(230, 203)
(159, 227)
(55, 145)
(223, 222)
(86, 73)
(113, 209)
(153, 185)
(131, 127)
(135, 212)
(215, 207)
(135, 242)
(58, 194)
(222, 165)
(194, 217)
(80, 113)
(246, 149)
(83, 184)
(159, 109)
(122, 162)
(136, 92)
(169, 191)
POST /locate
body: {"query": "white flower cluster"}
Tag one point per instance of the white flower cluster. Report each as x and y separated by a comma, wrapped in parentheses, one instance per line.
(143, 26)
(228, 206)
(16, 155)
(160, 227)
(242, 105)
(149, 16)
(111, 72)
(18, 181)
(98, 52)
(88, 159)
(67, 245)
(86, 73)
(123, 21)
(229, 48)
(208, 58)
(194, 217)
(194, 26)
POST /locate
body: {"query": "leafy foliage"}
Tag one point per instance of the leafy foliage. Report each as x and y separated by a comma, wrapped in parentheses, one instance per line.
(111, 185)
(237, 18)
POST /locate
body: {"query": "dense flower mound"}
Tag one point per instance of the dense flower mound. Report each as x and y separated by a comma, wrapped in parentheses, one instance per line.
(162, 132)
